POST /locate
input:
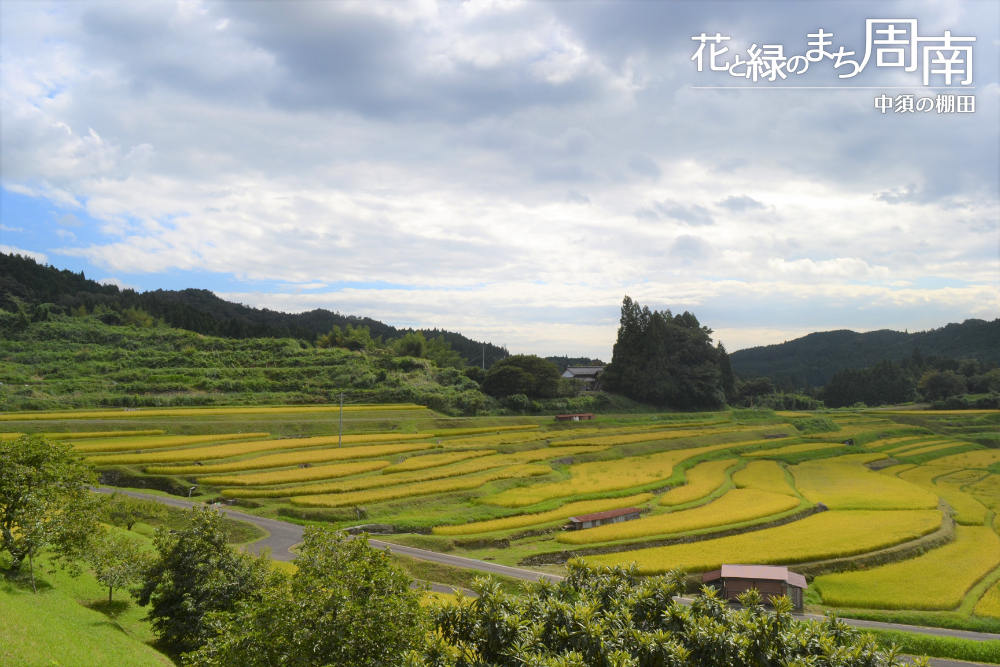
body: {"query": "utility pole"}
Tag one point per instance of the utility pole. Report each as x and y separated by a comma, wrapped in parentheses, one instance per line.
(340, 435)
(484, 356)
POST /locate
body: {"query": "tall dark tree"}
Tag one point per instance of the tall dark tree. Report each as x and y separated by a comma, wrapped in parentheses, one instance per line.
(522, 374)
(665, 359)
(884, 383)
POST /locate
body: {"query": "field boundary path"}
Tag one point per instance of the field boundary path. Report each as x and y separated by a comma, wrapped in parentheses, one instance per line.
(282, 536)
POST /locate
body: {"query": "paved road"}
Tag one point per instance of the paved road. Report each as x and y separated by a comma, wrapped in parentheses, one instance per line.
(282, 536)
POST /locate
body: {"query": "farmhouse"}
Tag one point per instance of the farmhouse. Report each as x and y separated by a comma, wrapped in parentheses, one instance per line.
(602, 518)
(590, 375)
(771, 581)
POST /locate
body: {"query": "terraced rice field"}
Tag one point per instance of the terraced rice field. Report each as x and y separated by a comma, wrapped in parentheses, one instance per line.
(764, 476)
(201, 412)
(983, 458)
(736, 506)
(292, 459)
(83, 435)
(120, 444)
(702, 480)
(420, 489)
(444, 433)
(987, 491)
(844, 483)
(603, 476)
(938, 579)
(377, 481)
(989, 604)
(794, 449)
(238, 449)
(932, 448)
(296, 475)
(629, 439)
(492, 440)
(526, 520)
(435, 460)
(968, 510)
(821, 536)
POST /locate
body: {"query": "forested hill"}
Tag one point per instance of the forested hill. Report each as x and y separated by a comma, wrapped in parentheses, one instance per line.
(198, 310)
(815, 358)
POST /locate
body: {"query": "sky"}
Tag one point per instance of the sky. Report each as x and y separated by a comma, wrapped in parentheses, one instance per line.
(510, 170)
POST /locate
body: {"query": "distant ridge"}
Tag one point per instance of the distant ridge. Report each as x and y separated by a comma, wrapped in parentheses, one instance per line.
(814, 358)
(200, 310)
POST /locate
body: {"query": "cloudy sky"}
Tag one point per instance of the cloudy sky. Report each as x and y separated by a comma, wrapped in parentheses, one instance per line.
(509, 170)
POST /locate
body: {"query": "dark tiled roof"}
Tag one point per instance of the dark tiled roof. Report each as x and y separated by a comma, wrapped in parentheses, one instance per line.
(609, 514)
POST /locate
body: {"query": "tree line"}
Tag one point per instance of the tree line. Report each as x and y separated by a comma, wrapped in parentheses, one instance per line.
(348, 604)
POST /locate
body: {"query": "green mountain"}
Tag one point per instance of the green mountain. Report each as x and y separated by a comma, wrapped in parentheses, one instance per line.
(23, 279)
(813, 359)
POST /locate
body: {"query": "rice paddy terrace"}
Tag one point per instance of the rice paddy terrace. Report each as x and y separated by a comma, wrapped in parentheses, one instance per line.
(882, 511)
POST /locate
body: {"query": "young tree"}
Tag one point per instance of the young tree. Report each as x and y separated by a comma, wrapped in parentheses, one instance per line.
(197, 573)
(44, 500)
(347, 604)
(117, 560)
(125, 511)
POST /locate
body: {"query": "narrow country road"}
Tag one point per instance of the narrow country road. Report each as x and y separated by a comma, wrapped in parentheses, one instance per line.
(283, 536)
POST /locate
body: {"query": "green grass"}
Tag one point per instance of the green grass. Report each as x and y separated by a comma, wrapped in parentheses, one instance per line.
(952, 620)
(968, 650)
(70, 623)
(439, 573)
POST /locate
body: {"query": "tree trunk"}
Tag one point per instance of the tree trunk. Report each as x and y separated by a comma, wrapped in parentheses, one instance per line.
(110, 589)
(31, 569)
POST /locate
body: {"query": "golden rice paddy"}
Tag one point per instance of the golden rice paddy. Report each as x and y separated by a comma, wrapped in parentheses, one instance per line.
(292, 459)
(603, 476)
(983, 458)
(628, 439)
(421, 488)
(794, 449)
(989, 604)
(525, 520)
(449, 432)
(968, 510)
(199, 412)
(81, 435)
(932, 448)
(733, 507)
(702, 480)
(763, 476)
(296, 475)
(938, 579)
(158, 442)
(435, 460)
(844, 483)
(820, 536)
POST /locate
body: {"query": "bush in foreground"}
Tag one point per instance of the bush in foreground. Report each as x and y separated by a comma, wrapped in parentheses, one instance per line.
(610, 617)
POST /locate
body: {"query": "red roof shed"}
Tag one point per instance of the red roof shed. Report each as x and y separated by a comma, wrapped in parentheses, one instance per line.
(771, 581)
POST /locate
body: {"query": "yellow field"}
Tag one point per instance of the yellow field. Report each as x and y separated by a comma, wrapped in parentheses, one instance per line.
(736, 506)
(938, 579)
(989, 604)
(434, 460)
(987, 491)
(628, 439)
(420, 489)
(902, 441)
(238, 449)
(81, 435)
(968, 510)
(10, 436)
(790, 414)
(199, 412)
(794, 449)
(820, 536)
(763, 476)
(893, 471)
(449, 432)
(296, 475)
(702, 480)
(922, 442)
(564, 512)
(932, 448)
(378, 481)
(982, 458)
(158, 442)
(493, 440)
(601, 476)
(844, 483)
(293, 459)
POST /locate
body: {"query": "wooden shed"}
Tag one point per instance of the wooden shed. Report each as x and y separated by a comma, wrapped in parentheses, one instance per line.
(602, 518)
(585, 416)
(771, 581)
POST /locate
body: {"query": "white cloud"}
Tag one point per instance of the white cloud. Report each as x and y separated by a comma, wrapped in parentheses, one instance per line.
(506, 168)
(40, 257)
